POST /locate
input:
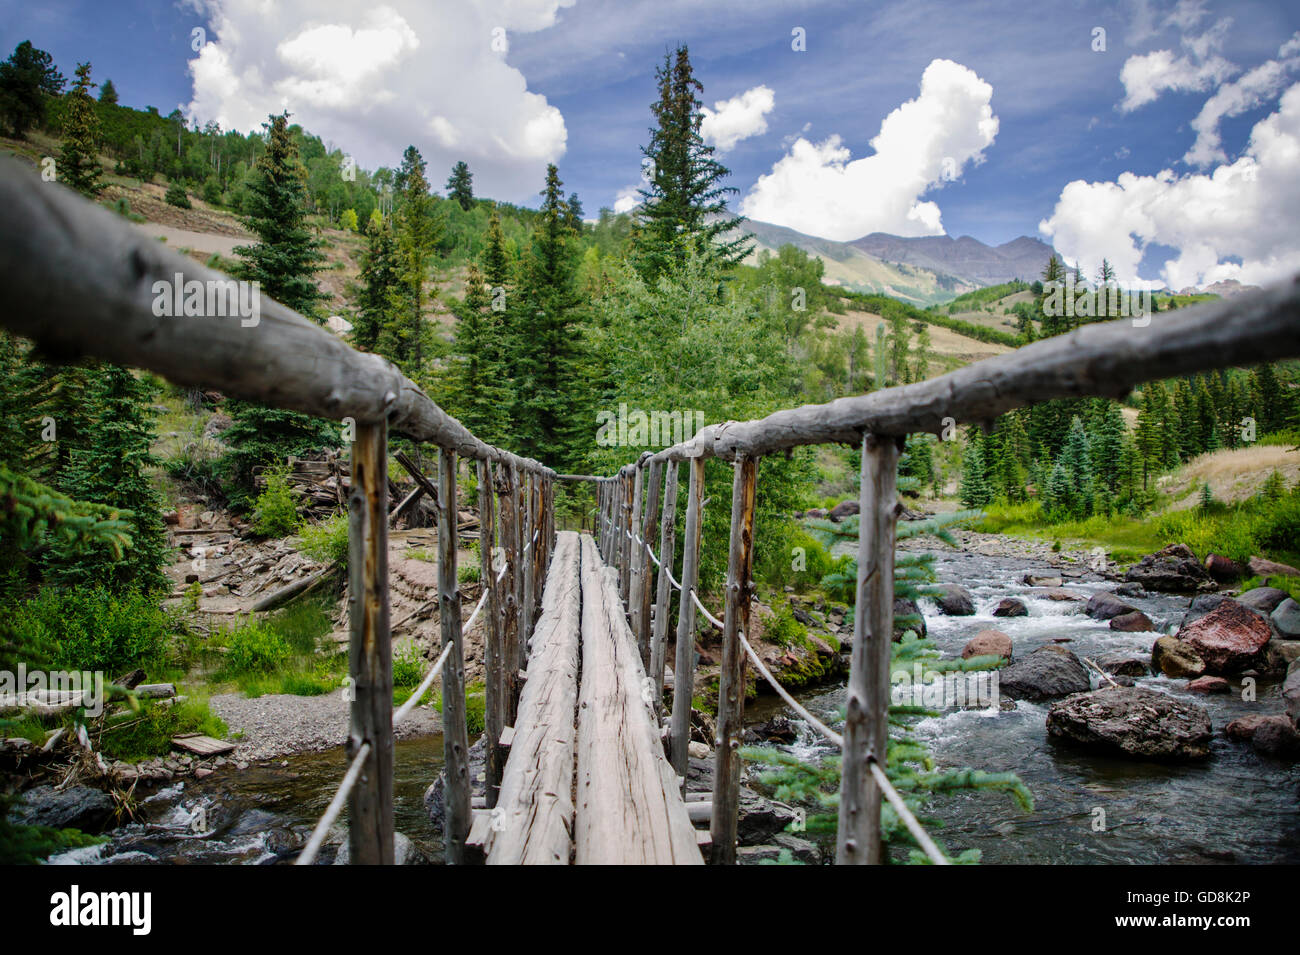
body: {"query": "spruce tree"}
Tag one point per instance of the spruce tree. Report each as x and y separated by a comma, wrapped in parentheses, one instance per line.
(544, 338)
(975, 490)
(684, 202)
(377, 287)
(79, 159)
(108, 93)
(460, 186)
(28, 79)
(418, 230)
(110, 470)
(284, 261)
(482, 393)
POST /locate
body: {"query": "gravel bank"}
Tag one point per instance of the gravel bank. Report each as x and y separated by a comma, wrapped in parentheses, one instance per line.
(280, 724)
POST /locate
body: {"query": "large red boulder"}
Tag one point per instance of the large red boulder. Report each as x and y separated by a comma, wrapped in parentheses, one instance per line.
(1230, 638)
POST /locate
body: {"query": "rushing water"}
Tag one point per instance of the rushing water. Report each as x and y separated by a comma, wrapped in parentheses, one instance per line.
(264, 814)
(1237, 806)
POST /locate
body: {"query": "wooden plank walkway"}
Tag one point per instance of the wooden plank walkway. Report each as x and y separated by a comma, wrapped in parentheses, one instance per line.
(586, 781)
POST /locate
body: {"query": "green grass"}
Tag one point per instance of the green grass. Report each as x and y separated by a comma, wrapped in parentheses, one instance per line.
(475, 707)
(134, 736)
(281, 653)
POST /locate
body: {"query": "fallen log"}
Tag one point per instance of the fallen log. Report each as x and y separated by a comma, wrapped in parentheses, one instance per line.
(286, 593)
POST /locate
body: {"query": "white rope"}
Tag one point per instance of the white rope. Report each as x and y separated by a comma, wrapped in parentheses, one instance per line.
(332, 811)
(705, 610)
(427, 682)
(918, 832)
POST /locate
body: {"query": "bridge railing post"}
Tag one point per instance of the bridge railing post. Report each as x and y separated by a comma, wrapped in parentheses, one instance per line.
(632, 490)
(508, 601)
(867, 706)
(664, 591)
(370, 803)
(684, 667)
(731, 677)
(642, 565)
(455, 733)
(528, 555)
(494, 717)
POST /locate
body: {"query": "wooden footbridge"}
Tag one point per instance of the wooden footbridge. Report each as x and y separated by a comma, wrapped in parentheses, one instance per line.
(580, 766)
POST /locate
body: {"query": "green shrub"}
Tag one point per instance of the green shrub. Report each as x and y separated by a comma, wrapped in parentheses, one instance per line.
(275, 514)
(475, 708)
(256, 648)
(91, 628)
(783, 630)
(469, 572)
(326, 543)
(176, 195)
(409, 667)
(140, 735)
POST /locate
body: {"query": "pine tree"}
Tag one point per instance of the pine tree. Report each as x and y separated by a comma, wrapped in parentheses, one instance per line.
(108, 93)
(460, 186)
(28, 79)
(496, 264)
(79, 160)
(975, 490)
(1267, 400)
(924, 354)
(377, 287)
(573, 213)
(544, 337)
(110, 470)
(1053, 276)
(482, 392)
(900, 347)
(684, 202)
(418, 231)
(284, 261)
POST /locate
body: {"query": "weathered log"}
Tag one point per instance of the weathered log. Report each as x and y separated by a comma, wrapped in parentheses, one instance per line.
(455, 735)
(533, 819)
(866, 724)
(370, 804)
(289, 591)
(629, 807)
(684, 669)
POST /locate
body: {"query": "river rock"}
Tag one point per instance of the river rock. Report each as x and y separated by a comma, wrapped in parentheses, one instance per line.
(1259, 567)
(1222, 569)
(844, 509)
(404, 852)
(1034, 580)
(801, 851)
(1011, 607)
(1278, 737)
(1174, 569)
(1208, 684)
(955, 601)
(1291, 691)
(907, 607)
(1286, 618)
(1135, 621)
(1244, 727)
(1133, 721)
(1230, 638)
(77, 807)
(991, 643)
(1070, 595)
(1048, 672)
(1201, 605)
(1103, 606)
(1118, 664)
(778, 729)
(815, 512)
(1174, 658)
(1263, 599)
(1130, 590)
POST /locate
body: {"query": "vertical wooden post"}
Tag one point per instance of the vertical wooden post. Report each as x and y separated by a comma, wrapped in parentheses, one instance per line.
(636, 559)
(646, 568)
(601, 529)
(664, 594)
(630, 488)
(684, 668)
(508, 601)
(866, 721)
(520, 662)
(731, 676)
(494, 717)
(370, 804)
(528, 554)
(455, 734)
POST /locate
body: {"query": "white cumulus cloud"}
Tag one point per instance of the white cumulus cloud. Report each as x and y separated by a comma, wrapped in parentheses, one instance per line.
(738, 118)
(1253, 89)
(820, 190)
(1236, 222)
(373, 79)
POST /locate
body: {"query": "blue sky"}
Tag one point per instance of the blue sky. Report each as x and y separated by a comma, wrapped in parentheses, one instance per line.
(1016, 101)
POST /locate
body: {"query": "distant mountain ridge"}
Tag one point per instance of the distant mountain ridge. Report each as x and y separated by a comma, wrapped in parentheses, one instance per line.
(966, 258)
(925, 269)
